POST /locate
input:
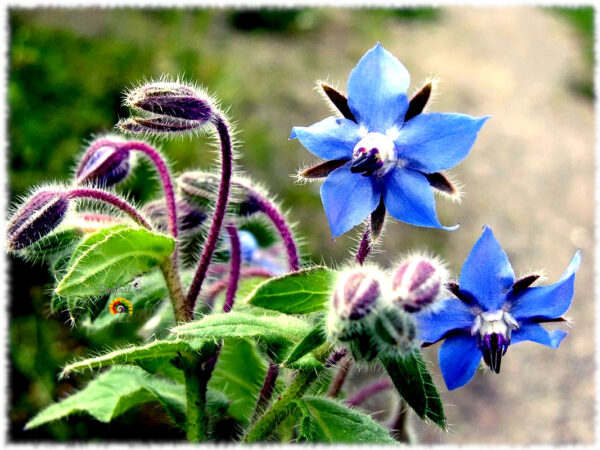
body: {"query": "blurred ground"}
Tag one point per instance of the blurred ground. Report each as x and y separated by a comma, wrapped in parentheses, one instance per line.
(529, 176)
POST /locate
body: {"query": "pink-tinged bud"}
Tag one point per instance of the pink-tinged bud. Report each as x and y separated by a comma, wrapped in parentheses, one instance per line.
(37, 217)
(172, 100)
(356, 295)
(104, 164)
(417, 282)
(153, 125)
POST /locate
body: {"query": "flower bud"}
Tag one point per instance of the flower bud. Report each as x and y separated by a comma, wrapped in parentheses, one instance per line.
(417, 282)
(394, 332)
(354, 298)
(172, 100)
(158, 124)
(104, 164)
(37, 217)
(188, 217)
(202, 188)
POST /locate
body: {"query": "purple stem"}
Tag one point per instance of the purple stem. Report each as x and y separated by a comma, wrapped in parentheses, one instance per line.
(271, 211)
(111, 199)
(165, 178)
(372, 389)
(267, 390)
(364, 247)
(235, 266)
(219, 215)
(218, 286)
(340, 376)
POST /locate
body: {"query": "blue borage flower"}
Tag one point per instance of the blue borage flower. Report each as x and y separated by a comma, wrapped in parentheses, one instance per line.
(491, 311)
(385, 151)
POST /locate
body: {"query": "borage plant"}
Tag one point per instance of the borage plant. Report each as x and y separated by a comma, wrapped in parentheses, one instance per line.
(241, 342)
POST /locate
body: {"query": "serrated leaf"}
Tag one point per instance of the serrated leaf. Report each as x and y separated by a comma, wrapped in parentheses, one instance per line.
(148, 356)
(273, 328)
(415, 384)
(113, 393)
(112, 257)
(312, 340)
(239, 373)
(302, 292)
(330, 421)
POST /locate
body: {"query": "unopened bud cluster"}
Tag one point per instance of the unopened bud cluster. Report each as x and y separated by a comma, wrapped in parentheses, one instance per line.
(105, 163)
(374, 318)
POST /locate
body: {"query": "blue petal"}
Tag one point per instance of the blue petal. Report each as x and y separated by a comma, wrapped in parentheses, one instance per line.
(459, 358)
(408, 197)
(449, 314)
(487, 272)
(348, 199)
(377, 90)
(432, 142)
(537, 333)
(548, 302)
(331, 138)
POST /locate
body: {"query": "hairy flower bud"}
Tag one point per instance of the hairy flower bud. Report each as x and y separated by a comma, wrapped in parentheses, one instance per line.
(188, 217)
(354, 298)
(104, 164)
(394, 332)
(202, 188)
(417, 282)
(37, 217)
(173, 100)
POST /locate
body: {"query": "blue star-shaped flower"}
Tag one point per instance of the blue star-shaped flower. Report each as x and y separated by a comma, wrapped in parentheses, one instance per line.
(385, 151)
(492, 311)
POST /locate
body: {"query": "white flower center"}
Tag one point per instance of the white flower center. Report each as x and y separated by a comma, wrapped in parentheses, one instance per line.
(493, 330)
(374, 154)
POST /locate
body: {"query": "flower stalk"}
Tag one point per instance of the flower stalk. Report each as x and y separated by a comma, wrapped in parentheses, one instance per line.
(235, 266)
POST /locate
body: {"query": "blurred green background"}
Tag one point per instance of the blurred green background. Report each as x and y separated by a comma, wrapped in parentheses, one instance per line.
(530, 175)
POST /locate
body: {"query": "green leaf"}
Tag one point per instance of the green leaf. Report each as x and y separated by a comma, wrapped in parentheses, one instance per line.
(311, 341)
(414, 383)
(112, 257)
(149, 356)
(330, 421)
(113, 393)
(53, 245)
(301, 292)
(278, 329)
(239, 373)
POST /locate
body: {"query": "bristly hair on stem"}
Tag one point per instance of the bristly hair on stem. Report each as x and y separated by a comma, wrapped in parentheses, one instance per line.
(235, 266)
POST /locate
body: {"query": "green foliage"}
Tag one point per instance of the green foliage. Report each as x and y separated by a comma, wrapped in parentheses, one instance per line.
(113, 393)
(302, 292)
(330, 421)
(312, 340)
(276, 329)
(53, 245)
(148, 356)
(111, 257)
(414, 383)
(239, 373)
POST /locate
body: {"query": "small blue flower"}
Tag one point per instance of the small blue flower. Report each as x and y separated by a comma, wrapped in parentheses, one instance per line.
(491, 311)
(388, 154)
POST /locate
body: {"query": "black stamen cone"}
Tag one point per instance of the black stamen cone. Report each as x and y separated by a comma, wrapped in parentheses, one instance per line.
(418, 102)
(339, 101)
(366, 163)
(496, 353)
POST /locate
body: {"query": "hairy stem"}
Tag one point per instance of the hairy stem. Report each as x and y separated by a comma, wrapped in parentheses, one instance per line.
(278, 411)
(165, 179)
(219, 214)
(364, 247)
(111, 199)
(235, 266)
(340, 377)
(372, 389)
(401, 429)
(219, 286)
(171, 276)
(267, 390)
(273, 213)
(197, 373)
